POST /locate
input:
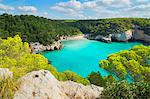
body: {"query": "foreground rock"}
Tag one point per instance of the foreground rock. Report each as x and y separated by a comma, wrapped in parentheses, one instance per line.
(78, 91)
(43, 85)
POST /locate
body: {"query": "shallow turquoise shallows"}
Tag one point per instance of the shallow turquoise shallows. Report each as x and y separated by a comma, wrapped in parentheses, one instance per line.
(83, 56)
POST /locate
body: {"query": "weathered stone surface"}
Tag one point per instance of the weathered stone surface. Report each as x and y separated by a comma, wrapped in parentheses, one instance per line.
(104, 39)
(37, 47)
(5, 73)
(140, 35)
(78, 91)
(123, 36)
(43, 85)
(39, 85)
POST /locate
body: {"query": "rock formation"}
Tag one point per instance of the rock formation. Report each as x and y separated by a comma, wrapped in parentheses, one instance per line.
(140, 35)
(125, 36)
(43, 85)
(37, 47)
(104, 39)
(134, 35)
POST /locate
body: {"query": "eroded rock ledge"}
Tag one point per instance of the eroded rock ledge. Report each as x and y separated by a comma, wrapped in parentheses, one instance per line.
(36, 47)
(133, 35)
(43, 85)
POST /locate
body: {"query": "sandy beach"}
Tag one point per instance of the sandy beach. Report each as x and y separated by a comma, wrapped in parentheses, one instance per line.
(75, 37)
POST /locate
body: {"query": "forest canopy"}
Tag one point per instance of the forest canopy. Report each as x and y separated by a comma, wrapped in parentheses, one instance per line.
(133, 62)
(39, 29)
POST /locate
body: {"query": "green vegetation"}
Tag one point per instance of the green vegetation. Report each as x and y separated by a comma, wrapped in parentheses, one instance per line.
(112, 25)
(68, 75)
(96, 79)
(123, 90)
(34, 29)
(133, 62)
(15, 55)
(38, 29)
(7, 88)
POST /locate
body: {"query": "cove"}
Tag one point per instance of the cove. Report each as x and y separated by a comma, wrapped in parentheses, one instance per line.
(83, 56)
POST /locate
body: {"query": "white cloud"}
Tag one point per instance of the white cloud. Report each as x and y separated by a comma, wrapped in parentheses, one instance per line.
(89, 5)
(45, 13)
(6, 7)
(104, 8)
(28, 9)
(73, 4)
(142, 7)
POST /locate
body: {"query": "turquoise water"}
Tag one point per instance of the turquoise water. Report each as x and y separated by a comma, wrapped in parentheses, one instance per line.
(83, 56)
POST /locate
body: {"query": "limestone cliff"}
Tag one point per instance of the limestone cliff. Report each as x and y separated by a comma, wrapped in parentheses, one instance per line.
(140, 35)
(134, 35)
(125, 36)
(37, 47)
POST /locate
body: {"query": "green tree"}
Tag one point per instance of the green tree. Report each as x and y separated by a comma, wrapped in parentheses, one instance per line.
(133, 62)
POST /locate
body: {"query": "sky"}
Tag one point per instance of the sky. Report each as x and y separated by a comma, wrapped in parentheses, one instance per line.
(77, 9)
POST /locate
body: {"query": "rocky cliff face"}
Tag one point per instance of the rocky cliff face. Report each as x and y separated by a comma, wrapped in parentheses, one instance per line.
(134, 35)
(123, 36)
(43, 85)
(140, 35)
(37, 47)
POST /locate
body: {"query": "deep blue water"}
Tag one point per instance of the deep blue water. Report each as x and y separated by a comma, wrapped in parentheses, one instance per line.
(83, 56)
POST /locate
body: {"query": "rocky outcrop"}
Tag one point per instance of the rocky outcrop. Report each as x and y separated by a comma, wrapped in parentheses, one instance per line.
(43, 85)
(78, 91)
(104, 39)
(125, 36)
(37, 47)
(134, 35)
(140, 35)
(90, 36)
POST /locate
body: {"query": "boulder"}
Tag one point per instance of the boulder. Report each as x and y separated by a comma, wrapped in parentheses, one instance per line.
(43, 85)
(39, 85)
(79, 91)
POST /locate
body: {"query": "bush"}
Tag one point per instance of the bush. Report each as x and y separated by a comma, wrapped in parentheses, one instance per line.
(68, 75)
(96, 79)
(123, 90)
(7, 88)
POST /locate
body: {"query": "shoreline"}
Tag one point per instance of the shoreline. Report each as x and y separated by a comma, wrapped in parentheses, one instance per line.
(77, 37)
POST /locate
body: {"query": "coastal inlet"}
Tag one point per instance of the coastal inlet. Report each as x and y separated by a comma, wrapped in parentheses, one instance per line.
(82, 56)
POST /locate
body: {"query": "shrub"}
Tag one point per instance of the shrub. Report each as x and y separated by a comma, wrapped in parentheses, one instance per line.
(7, 88)
(123, 90)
